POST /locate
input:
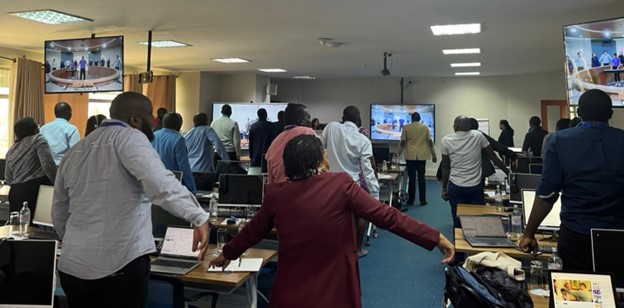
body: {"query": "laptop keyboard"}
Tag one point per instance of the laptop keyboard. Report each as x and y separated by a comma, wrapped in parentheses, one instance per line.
(172, 263)
(492, 241)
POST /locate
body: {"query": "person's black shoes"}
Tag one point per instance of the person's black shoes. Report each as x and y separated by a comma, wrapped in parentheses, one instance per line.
(423, 203)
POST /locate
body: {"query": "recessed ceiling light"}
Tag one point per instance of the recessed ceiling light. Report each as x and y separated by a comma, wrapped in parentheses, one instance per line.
(467, 74)
(272, 70)
(456, 29)
(304, 77)
(50, 17)
(166, 44)
(230, 60)
(461, 51)
(467, 64)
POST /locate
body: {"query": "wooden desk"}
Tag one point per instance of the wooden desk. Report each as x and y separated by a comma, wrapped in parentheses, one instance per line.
(539, 301)
(472, 209)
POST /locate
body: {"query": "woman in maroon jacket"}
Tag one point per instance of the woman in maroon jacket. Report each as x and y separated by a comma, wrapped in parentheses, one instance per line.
(313, 214)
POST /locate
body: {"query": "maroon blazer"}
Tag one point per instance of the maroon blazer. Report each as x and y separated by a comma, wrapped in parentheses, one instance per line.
(317, 255)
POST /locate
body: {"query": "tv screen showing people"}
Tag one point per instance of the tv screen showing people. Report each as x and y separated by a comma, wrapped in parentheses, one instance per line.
(387, 121)
(84, 65)
(594, 59)
(246, 114)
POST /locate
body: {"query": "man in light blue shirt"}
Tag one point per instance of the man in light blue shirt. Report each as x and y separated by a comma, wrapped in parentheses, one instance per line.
(200, 142)
(170, 146)
(60, 134)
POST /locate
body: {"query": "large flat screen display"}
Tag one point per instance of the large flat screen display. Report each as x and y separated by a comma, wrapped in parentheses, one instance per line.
(387, 121)
(593, 59)
(246, 114)
(84, 65)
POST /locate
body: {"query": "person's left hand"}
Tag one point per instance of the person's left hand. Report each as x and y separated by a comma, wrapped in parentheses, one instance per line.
(200, 240)
(444, 195)
(219, 261)
(434, 159)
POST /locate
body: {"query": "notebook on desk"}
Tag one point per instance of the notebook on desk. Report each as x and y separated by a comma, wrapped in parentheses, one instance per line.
(484, 231)
(176, 256)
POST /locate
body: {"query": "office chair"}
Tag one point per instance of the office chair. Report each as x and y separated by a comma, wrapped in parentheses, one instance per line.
(168, 292)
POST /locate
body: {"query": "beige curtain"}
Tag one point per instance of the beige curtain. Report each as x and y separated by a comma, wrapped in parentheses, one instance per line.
(162, 92)
(25, 93)
(131, 83)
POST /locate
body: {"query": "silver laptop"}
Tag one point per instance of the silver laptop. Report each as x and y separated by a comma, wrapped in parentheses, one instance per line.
(176, 256)
(485, 231)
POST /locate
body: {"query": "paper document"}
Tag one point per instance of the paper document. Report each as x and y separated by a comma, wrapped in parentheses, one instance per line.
(382, 176)
(241, 265)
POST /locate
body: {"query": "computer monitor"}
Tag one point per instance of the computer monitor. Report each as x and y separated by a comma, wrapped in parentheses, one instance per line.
(381, 153)
(237, 190)
(520, 181)
(204, 181)
(552, 220)
(28, 271)
(581, 289)
(605, 257)
(231, 167)
(43, 208)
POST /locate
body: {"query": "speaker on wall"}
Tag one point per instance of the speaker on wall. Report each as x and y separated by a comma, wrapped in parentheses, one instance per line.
(271, 89)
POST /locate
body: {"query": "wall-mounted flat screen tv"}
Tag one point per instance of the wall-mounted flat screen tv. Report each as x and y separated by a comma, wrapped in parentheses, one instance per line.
(594, 58)
(387, 121)
(246, 114)
(84, 65)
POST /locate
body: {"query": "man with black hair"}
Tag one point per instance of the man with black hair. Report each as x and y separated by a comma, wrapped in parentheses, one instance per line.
(200, 142)
(171, 148)
(584, 163)
(103, 194)
(160, 113)
(278, 126)
(229, 133)
(487, 168)
(534, 138)
(60, 134)
(259, 138)
(297, 122)
(418, 146)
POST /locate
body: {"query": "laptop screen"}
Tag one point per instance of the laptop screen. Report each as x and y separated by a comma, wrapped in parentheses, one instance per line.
(240, 190)
(29, 269)
(575, 289)
(520, 181)
(552, 220)
(204, 180)
(178, 242)
(605, 257)
(178, 174)
(43, 208)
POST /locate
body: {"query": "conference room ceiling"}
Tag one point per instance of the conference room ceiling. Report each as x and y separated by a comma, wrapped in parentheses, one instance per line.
(518, 37)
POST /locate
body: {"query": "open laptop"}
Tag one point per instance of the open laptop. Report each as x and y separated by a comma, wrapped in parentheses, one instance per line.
(605, 257)
(204, 182)
(176, 256)
(551, 222)
(240, 190)
(485, 231)
(581, 289)
(43, 215)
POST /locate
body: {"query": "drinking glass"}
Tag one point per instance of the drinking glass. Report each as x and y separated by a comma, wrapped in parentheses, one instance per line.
(221, 239)
(13, 223)
(537, 275)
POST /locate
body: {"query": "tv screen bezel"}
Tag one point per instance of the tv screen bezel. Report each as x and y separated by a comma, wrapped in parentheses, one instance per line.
(121, 55)
(376, 140)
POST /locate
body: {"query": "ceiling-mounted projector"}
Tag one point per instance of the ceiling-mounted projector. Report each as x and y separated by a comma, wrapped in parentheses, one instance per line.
(385, 71)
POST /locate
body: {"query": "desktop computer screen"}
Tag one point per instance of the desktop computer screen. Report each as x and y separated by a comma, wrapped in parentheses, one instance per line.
(43, 209)
(240, 190)
(605, 257)
(520, 181)
(551, 222)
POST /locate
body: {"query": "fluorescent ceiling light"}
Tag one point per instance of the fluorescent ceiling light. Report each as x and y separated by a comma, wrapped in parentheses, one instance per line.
(467, 64)
(50, 17)
(166, 43)
(461, 51)
(304, 77)
(467, 74)
(230, 60)
(272, 70)
(456, 29)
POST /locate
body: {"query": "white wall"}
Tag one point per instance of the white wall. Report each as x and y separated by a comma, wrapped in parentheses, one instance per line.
(187, 97)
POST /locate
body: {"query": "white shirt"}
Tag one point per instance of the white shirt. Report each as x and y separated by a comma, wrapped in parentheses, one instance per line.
(464, 151)
(346, 149)
(228, 132)
(103, 196)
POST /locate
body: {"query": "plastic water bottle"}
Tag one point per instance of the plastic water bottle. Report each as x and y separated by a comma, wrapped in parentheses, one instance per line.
(554, 262)
(507, 186)
(498, 198)
(384, 167)
(516, 224)
(214, 207)
(24, 219)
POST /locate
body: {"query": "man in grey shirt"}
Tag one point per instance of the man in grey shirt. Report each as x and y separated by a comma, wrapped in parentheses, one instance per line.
(103, 194)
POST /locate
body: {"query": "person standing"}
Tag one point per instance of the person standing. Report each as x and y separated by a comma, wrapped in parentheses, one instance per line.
(117, 63)
(60, 134)
(200, 142)
(259, 138)
(103, 194)
(29, 165)
(418, 146)
(83, 68)
(278, 127)
(171, 148)
(229, 133)
(605, 58)
(534, 138)
(579, 62)
(506, 136)
(594, 60)
(615, 64)
(584, 164)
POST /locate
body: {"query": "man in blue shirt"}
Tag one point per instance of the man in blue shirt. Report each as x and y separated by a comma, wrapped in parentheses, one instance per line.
(260, 135)
(200, 142)
(583, 163)
(170, 146)
(60, 134)
(83, 68)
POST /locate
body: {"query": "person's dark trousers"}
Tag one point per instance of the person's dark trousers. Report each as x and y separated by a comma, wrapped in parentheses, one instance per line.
(125, 288)
(27, 191)
(232, 155)
(575, 250)
(464, 195)
(83, 74)
(416, 167)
